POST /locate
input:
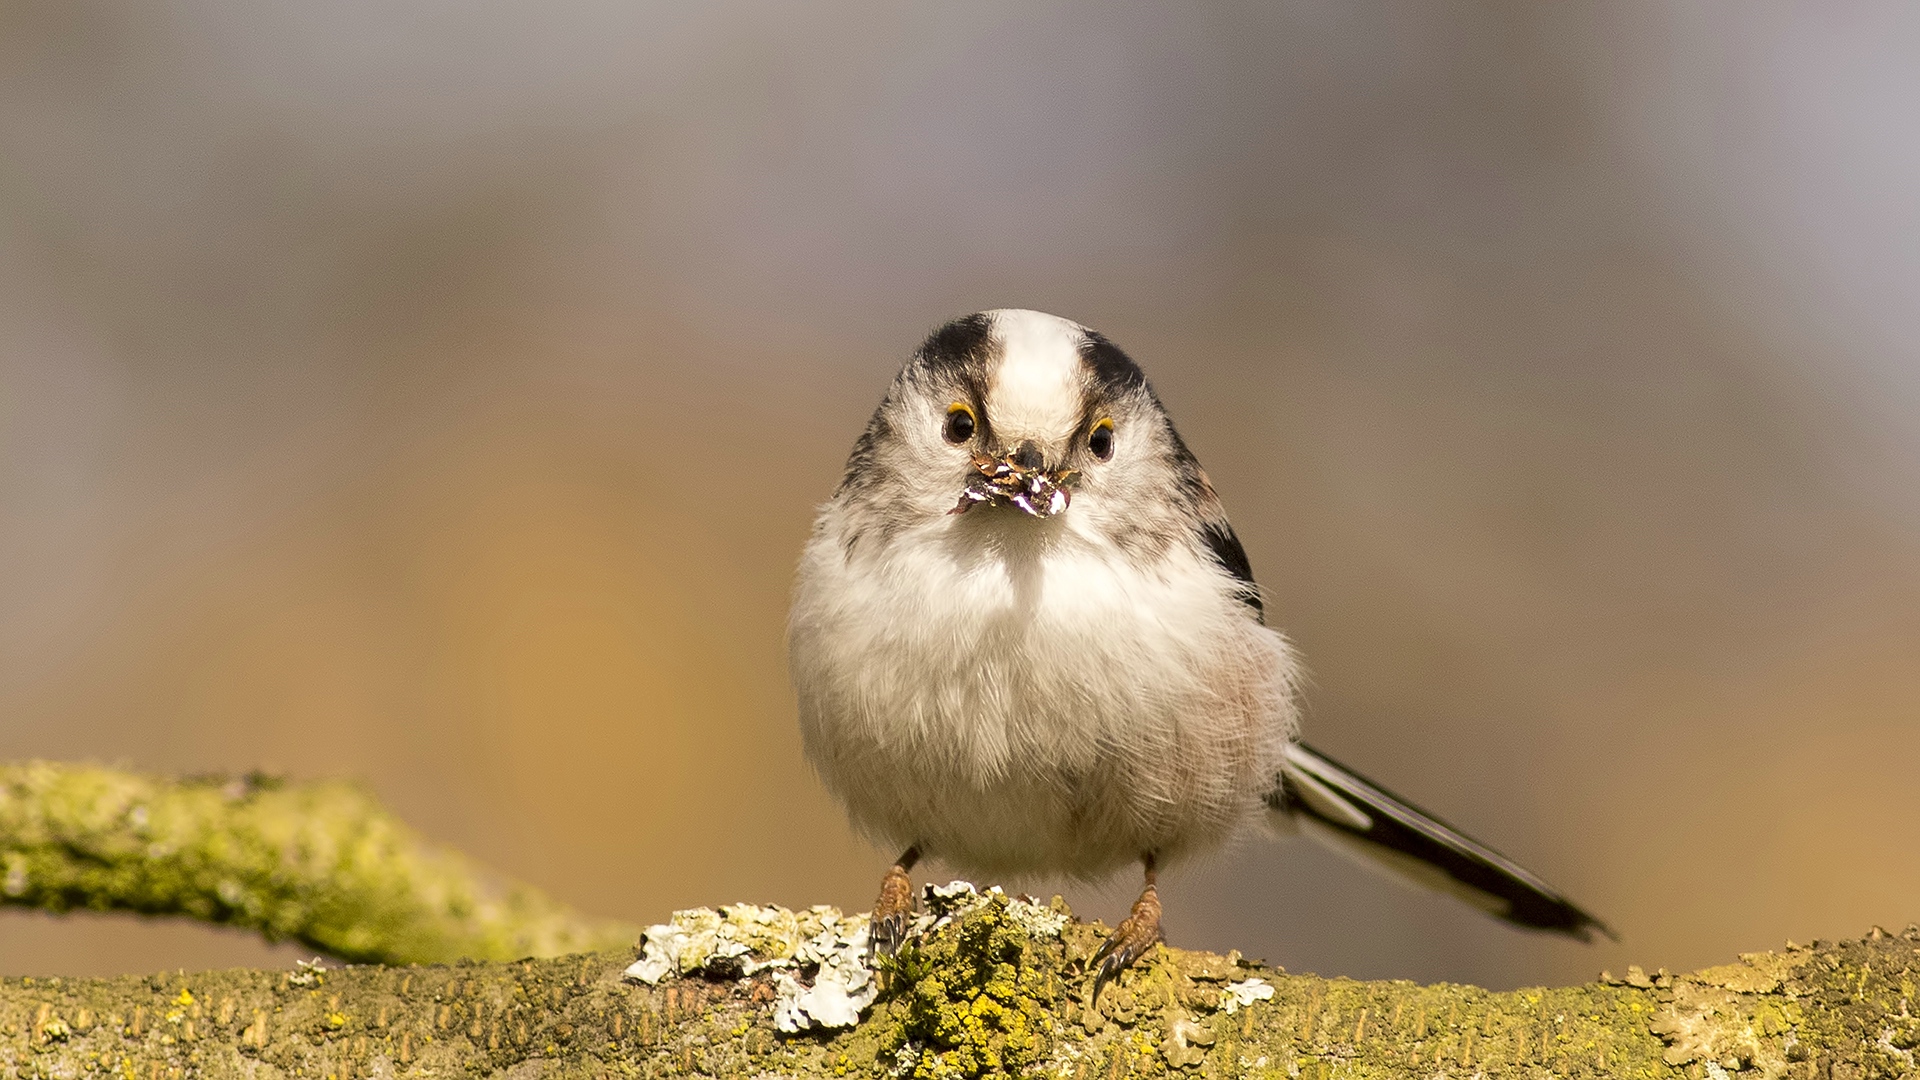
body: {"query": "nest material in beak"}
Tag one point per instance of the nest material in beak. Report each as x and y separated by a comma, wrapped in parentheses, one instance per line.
(1035, 491)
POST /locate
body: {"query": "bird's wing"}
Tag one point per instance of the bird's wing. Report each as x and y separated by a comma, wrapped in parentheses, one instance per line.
(1352, 814)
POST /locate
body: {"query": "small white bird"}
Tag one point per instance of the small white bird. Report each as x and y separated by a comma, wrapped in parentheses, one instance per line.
(1026, 641)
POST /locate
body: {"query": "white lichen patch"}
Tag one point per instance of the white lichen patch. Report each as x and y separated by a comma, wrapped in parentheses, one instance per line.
(945, 903)
(740, 940)
(843, 984)
(307, 972)
(744, 939)
(1245, 992)
(822, 977)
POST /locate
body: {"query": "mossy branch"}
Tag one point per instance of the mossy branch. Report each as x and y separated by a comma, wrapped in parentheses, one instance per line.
(976, 1000)
(979, 996)
(319, 863)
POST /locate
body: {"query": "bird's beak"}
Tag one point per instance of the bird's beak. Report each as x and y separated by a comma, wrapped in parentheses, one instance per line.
(1018, 479)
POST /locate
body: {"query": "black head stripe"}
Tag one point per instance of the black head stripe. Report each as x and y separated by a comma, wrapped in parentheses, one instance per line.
(960, 349)
(1113, 370)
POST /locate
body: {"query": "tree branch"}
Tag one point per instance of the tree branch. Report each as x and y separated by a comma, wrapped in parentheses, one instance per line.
(319, 863)
(976, 999)
(997, 988)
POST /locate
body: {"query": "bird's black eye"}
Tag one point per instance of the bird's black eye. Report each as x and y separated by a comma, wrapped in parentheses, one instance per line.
(1100, 439)
(959, 423)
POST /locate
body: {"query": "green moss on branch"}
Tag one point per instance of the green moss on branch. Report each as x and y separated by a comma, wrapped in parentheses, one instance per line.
(319, 863)
(986, 995)
(976, 1001)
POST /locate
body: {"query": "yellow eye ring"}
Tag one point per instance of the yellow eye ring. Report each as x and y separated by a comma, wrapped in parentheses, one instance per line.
(1100, 439)
(960, 424)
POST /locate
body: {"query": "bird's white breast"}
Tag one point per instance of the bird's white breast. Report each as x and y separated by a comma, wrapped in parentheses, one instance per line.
(1021, 699)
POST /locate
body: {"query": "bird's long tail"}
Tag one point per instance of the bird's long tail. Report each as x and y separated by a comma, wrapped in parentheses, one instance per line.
(1346, 811)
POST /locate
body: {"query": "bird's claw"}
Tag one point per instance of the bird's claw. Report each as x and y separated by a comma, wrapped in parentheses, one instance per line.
(891, 913)
(887, 932)
(1137, 933)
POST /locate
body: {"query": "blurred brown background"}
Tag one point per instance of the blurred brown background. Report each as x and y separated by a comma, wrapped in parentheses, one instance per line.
(437, 393)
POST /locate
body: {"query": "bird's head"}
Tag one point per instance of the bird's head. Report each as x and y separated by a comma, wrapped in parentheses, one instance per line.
(1015, 411)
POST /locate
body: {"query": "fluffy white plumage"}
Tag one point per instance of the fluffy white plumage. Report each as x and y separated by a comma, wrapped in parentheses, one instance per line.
(1023, 696)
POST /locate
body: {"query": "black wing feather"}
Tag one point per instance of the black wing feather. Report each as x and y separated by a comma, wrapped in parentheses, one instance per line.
(1418, 845)
(1224, 545)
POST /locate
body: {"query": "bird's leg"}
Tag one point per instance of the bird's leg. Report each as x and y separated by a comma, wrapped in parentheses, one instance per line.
(1132, 938)
(891, 911)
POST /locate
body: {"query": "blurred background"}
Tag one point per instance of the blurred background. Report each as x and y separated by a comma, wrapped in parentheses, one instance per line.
(437, 393)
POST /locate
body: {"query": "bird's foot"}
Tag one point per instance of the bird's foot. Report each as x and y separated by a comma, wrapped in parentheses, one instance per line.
(891, 912)
(1129, 942)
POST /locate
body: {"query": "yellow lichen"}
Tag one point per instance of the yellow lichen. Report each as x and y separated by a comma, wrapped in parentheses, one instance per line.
(979, 999)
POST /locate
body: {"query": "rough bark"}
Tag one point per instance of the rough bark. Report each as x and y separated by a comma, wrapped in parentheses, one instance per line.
(318, 863)
(985, 994)
(978, 998)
